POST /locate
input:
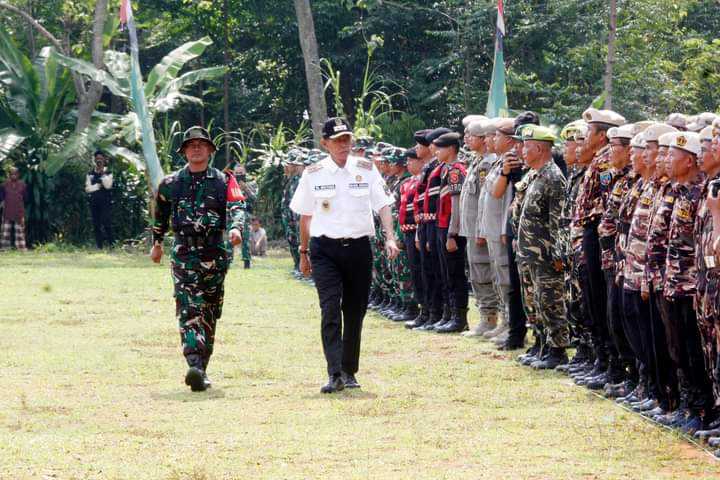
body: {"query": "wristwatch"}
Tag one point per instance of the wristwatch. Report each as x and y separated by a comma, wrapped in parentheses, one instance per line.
(304, 251)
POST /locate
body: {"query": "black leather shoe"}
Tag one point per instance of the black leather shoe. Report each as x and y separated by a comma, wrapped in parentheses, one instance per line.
(195, 378)
(206, 380)
(335, 384)
(511, 345)
(350, 380)
(458, 322)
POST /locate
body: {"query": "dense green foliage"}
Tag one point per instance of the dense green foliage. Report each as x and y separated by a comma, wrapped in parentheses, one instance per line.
(432, 57)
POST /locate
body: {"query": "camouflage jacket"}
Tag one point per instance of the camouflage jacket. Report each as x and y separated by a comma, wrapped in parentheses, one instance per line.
(657, 240)
(625, 213)
(594, 189)
(680, 268)
(574, 232)
(288, 217)
(622, 182)
(538, 230)
(636, 249)
(197, 205)
(517, 203)
(705, 260)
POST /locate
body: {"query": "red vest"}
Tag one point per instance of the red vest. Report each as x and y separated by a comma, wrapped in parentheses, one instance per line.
(451, 180)
(406, 216)
(432, 193)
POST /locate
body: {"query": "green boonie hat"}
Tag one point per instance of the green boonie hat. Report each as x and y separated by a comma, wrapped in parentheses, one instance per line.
(297, 156)
(364, 143)
(536, 133)
(196, 133)
(397, 156)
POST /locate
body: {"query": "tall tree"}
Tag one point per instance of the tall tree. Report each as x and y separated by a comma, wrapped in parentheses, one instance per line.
(611, 54)
(313, 73)
(88, 92)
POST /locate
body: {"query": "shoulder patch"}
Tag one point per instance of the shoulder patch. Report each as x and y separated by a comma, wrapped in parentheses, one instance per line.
(314, 168)
(365, 164)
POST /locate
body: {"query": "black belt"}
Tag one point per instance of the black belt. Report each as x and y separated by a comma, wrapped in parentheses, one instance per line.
(199, 241)
(343, 242)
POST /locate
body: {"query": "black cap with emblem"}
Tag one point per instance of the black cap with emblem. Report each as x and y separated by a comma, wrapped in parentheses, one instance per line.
(336, 127)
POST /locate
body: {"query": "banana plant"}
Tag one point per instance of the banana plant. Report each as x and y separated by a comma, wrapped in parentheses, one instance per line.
(164, 89)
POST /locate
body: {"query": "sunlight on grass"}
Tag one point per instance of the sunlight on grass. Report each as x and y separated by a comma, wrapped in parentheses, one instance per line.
(93, 388)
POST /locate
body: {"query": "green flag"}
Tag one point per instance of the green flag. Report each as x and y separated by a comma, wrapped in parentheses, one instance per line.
(497, 105)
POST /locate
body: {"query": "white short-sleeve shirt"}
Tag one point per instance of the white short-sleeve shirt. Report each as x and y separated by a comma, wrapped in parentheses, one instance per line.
(341, 200)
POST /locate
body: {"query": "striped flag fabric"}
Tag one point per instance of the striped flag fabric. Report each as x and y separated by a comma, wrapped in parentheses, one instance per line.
(497, 105)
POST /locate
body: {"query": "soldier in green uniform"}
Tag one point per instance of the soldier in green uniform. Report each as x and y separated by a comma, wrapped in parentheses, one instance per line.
(249, 190)
(289, 220)
(196, 200)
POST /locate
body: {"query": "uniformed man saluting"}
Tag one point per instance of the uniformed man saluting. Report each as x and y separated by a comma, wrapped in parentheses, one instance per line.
(199, 202)
(335, 199)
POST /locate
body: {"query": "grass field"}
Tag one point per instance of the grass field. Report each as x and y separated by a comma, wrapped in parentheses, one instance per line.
(92, 388)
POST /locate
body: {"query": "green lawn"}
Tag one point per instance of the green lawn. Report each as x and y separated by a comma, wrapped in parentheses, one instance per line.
(92, 387)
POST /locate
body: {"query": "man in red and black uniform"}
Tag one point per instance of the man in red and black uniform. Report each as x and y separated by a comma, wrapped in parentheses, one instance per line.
(408, 226)
(438, 295)
(451, 246)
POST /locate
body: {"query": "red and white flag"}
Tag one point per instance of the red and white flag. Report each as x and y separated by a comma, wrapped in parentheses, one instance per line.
(125, 13)
(501, 18)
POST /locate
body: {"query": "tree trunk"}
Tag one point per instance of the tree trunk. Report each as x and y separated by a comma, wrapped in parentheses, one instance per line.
(313, 74)
(226, 79)
(31, 30)
(88, 102)
(611, 55)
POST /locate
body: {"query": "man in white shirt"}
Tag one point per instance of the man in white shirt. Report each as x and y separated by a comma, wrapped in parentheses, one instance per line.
(335, 199)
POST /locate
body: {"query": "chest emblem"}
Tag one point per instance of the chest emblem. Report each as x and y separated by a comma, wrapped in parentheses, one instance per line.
(358, 178)
(326, 205)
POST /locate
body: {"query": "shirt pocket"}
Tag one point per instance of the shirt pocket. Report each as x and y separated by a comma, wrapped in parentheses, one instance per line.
(324, 200)
(360, 198)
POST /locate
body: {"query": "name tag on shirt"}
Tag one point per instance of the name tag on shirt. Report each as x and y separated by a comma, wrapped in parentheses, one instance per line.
(322, 188)
(358, 185)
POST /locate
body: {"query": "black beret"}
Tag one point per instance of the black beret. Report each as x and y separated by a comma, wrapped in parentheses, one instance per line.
(420, 137)
(526, 118)
(448, 140)
(98, 152)
(436, 133)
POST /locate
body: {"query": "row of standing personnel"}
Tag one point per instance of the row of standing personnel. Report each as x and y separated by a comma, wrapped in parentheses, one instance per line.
(609, 248)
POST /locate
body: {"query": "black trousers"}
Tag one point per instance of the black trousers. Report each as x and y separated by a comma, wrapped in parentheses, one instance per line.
(342, 272)
(693, 379)
(625, 355)
(636, 319)
(595, 292)
(415, 267)
(517, 323)
(452, 265)
(431, 268)
(102, 223)
(659, 338)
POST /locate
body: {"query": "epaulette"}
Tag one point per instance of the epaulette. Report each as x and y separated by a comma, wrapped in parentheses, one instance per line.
(365, 164)
(314, 168)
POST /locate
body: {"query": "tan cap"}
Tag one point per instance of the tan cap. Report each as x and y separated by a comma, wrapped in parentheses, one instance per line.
(473, 118)
(677, 120)
(479, 128)
(625, 131)
(688, 141)
(581, 132)
(642, 125)
(505, 126)
(706, 134)
(653, 132)
(638, 141)
(593, 115)
(666, 138)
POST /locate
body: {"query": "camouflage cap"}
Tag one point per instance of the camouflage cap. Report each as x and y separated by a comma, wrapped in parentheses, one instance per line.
(297, 156)
(363, 143)
(314, 156)
(196, 133)
(396, 156)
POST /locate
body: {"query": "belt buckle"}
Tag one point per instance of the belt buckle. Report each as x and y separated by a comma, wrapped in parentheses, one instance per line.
(345, 242)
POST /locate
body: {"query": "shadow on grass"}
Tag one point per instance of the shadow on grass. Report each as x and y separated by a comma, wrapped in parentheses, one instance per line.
(188, 396)
(345, 396)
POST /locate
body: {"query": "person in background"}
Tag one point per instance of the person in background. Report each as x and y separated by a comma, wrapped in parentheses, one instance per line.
(258, 238)
(98, 185)
(14, 194)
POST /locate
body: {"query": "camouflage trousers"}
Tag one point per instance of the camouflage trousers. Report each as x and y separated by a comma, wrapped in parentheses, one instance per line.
(198, 280)
(543, 290)
(708, 320)
(402, 278)
(293, 245)
(575, 304)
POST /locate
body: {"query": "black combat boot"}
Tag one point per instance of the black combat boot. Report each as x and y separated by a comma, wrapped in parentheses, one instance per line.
(195, 376)
(555, 357)
(409, 312)
(458, 322)
(446, 317)
(429, 325)
(419, 320)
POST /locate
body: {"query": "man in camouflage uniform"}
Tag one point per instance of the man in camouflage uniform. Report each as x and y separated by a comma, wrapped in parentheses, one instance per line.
(591, 201)
(539, 248)
(622, 373)
(400, 266)
(292, 170)
(197, 200)
(249, 190)
(574, 134)
(707, 274)
(680, 284)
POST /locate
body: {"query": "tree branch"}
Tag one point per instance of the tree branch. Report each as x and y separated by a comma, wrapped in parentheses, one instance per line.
(56, 43)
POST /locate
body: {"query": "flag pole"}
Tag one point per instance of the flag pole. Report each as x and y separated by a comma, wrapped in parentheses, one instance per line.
(497, 104)
(137, 91)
